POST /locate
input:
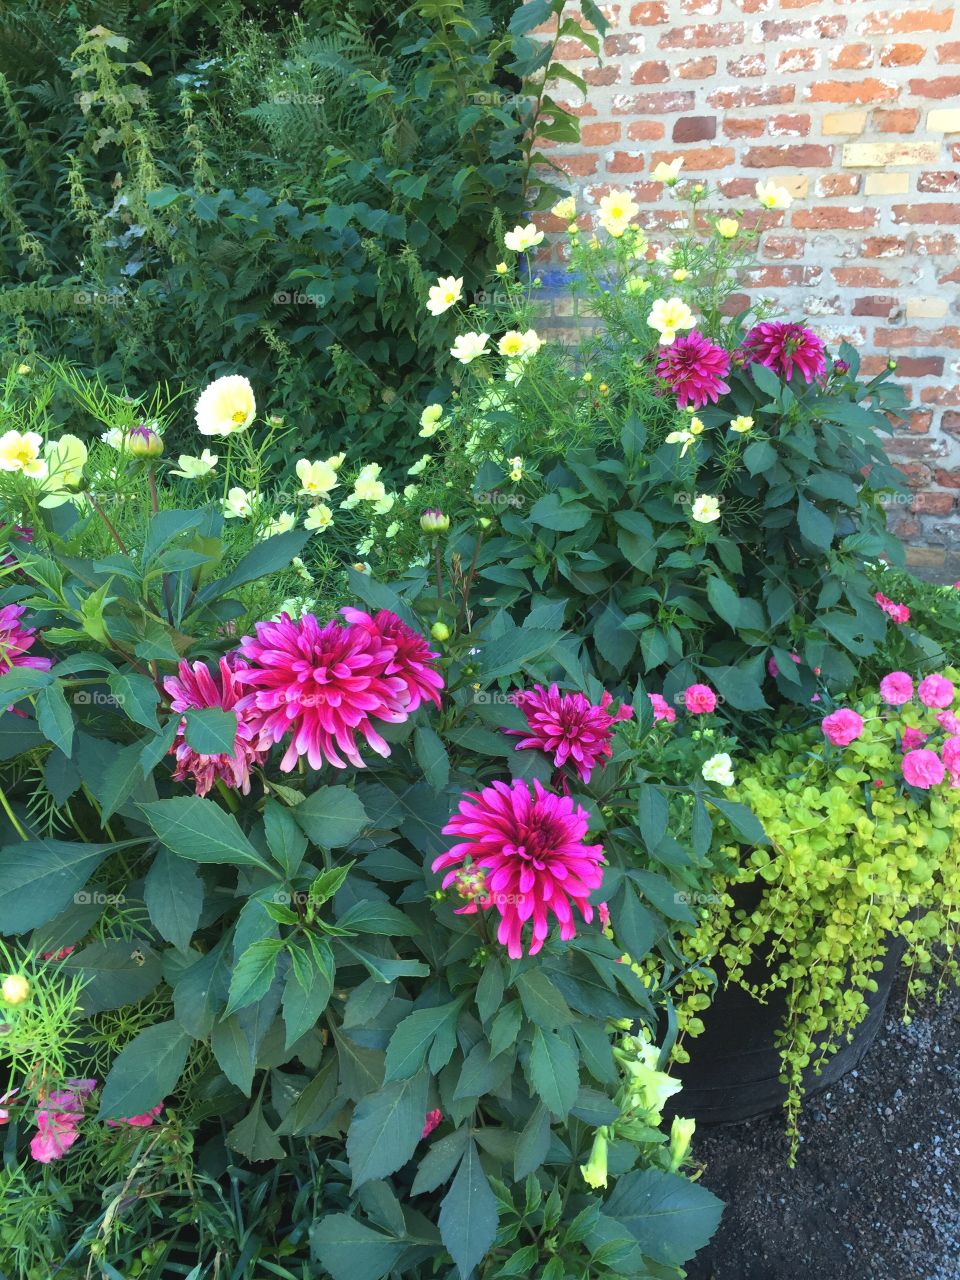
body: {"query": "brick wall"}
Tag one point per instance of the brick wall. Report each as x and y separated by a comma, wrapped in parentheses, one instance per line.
(854, 105)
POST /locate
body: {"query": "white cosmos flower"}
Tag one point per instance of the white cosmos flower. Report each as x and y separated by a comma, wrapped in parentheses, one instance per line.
(468, 346)
(226, 406)
(444, 294)
(192, 468)
(238, 504)
(705, 509)
(773, 197)
(520, 239)
(719, 769)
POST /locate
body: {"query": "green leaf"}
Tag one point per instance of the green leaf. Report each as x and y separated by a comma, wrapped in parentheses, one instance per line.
(550, 512)
(210, 731)
(669, 1216)
(269, 556)
(554, 1072)
(532, 1144)
(286, 840)
(253, 974)
(743, 820)
(413, 1036)
(431, 756)
(138, 697)
(173, 895)
(254, 1138)
(304, 1002)
(200, 830)
(114, 973)
(39, 878)
(439, 1161)
(145, 1071)
(506, 655)
(740, 686)
(542, 1002)
(386, 1128)
(351, 1251)
(55, 717)
(653, 813)
(331, 816)
(122, 777)
(469, 1216)
(815, 526)
(370, 916)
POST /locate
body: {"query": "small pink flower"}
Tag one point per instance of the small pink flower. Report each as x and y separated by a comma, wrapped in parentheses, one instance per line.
(947, 720)
(699, 699)
(603, 912)
(662, 709)
(878, 782)
(842, 727)
(935, 691)
(896, 688)
(911, 738)
(951, 758)
(56, 1134)
(4, 1112)
(568, 727)
(433, 1118)
(58, 955)
(198, 688)
(923, 769)
(138, 1122)
(898, 612)
(772, 668)
(16, 640)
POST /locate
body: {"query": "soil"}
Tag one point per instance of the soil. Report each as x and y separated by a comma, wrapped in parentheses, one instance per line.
(875, 1194)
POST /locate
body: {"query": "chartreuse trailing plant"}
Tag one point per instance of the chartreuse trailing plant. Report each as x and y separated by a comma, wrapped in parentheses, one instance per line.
(862, 810)
(366, 911)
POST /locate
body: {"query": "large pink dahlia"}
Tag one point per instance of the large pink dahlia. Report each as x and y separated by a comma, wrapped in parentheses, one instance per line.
(695, 369)
(16, 640)
(196, 687)
(534, 859)
(413, 658)
(784, 348)
(568, 727)
(323, 685)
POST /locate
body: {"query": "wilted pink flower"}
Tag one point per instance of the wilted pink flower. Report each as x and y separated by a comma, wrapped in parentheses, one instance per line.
(662, 709)
(951, 759)
(58, 955)
(603, 915)
(935, 691)
(898, 612)
(196, 687)
(322, 686)
(842, 727)
(16, 640)
(923, 769)
(58, 1119)
(433, 1118)
(784, 348)
(537, 864)
(138, 1122)
(695, 369)
(896, 688)
(699, 699)
(911, 738)
(413, 657)
(568, 727)
(947, 720)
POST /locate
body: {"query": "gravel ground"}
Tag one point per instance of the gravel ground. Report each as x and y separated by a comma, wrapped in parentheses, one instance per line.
(875, 1194)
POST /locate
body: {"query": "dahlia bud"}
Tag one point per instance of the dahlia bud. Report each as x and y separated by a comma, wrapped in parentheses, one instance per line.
(440, 631)
(434, 521)
(15, 989)
(891, 364)
(841, 366)
(471, 882)
(143, 442)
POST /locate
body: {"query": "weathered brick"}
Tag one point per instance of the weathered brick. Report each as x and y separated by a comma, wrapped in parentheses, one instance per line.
(649, 15)
(940, 87)
(844, 122)
(749, 64)
(933, 504)
(639, 104)
(869, 90)
(951, 422)
(831, 28)
(879, 155)
(783, 246)
(851, 57)
(883, 247)
(907, 366)
(707, 8)
(623, 44)
(609, 74)
(887, 184)
(796, 183)
(931, 308)
(835, 219)
(703, 35)
(789, 126)
(694, 128)
(770, 96)
(697, 159)
(948, 479)
(791, 61)
(783, 277)
(697, 68)
(626, 161)
(743, 126)
(925, 339)
(948, 52)
(864, 278)
(941, 181)
(646, 130)
(650, 73)
(600, 134)
(838, 184)
(896, 119)
(901, 55)
(875, 305)
(936, 245)
(927, 214)
(806, 155)
(907, 18)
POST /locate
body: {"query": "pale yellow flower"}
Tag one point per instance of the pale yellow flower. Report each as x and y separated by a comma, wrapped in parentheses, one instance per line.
(618, 206)
(680, 274)
(741, 424)
(419, 466)
(238, 504)
(315, 477)
(636, 285)
(410, 491)
(318, 517)
(192, 468)
(65, 459)
(502, 268)
(384, 504)
(667, 316)
(22, 452)
(773, 197)
(336, 461)
(705, 509)
(467, 346)
(15, 989)
(282, 523)
(668, 173)
(565, 210)
(114, 437)
(727, 227)
(521, 239)
(226, 406)
(681, 1132)
(686, 438)
(446, 293)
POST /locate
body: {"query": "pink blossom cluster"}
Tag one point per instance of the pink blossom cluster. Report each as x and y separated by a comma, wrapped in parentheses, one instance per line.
(59, 1115)
(898, 612)
(694, 368)
(785, 348)
(698, 700)
(568, 727)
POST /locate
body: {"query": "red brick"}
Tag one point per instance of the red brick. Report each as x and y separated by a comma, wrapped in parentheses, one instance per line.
(793, 126)
(650, 73)
(907, 18)
(697, 68)
(695, 128)
(951, 422)
(937, 245)
(949, 52)
(918, 422)
(667, 103)
(696, 159)
(804, 29)
(955, 151)
(610, 74)
(903, 528)
(627, 162)
(925, 214)
(863, 278)
(907, 366)
(829, 219)
(703, 35)
(883, 247)
(648, 15)
(804, 155)
(572, 50)
(626, 43)
(599, 135)
(770, 96)
(896, 119)
(941, 87)
(783, 277)
(578, 166)
(914, 337)
(645, 130)
(734, 188)
(874, 305)
(869, 90)
(793, 60)
(749, 64)
(948, 479)
(708, 8)
(901, 55)
(917, 476)
(933, 504)
(784, 246)
(851, 57)
(940, 181)
(941, 395)
(838, 184)
(742, 127)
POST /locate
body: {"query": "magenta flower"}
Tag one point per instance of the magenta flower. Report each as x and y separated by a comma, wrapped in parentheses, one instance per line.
(896, 688)
(662, 709)
(935, 691)
(196, 687)
(923, 769)
(414, 657)
(536, 862)
(57, 1122)
(138, 1122)
(568, 727)
(842, 727)
(898, 612)
(699, 699)
(322, 686)
(16, 640)
(911, 738)
(947, 720)
(785, 348)
(695, 369)
(951, 759)
(432, 1119)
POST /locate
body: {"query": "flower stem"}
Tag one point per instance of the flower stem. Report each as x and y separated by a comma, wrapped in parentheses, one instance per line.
(107, 521)
(15, 821)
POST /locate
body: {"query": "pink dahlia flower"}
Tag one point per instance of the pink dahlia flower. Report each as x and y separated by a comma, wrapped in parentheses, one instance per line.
(662, 709)
(923, 769)
(935, 691)
(699, 699)
(842, 727)
(911, 738)
(695, 369)
(16, 640)
(951, 759)
(898, 612)
(536, 862)
(196, 687)
(785, 348)
(896, 688)
(568, 727)
(413, 659)
(431, 1120)
(323, 686)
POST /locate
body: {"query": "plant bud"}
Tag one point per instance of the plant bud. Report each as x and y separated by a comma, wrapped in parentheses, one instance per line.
(143, 442)
(434, 521)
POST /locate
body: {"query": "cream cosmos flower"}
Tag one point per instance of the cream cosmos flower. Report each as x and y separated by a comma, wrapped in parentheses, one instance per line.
(226, 406)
